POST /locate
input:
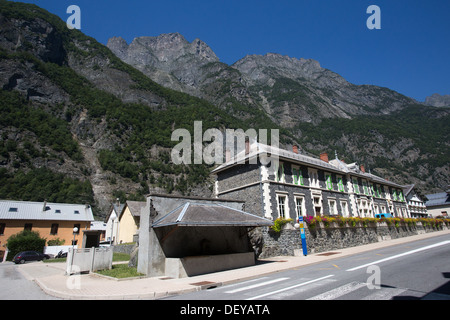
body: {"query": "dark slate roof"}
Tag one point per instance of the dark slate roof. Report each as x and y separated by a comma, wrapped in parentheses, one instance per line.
(438, 199)
(335, 165)
(201, 214)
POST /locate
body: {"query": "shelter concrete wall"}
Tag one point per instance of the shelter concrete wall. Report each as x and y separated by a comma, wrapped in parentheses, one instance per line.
(192, 266)
(156, 245)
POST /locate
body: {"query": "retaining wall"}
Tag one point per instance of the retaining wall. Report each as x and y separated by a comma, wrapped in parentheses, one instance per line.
(335, 237)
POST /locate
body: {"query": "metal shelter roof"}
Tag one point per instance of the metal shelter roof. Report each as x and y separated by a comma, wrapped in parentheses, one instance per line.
(201, 214)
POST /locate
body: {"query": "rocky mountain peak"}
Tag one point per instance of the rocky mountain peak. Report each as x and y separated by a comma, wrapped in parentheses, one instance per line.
(168, 59)
(260, 68)
(119, 46)
(437, 100)
(162, 51)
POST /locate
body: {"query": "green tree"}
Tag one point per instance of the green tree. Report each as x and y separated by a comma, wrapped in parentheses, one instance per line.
(24, 241)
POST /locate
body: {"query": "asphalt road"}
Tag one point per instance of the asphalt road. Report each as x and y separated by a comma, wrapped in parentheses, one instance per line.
(417, 270)
(14, 286)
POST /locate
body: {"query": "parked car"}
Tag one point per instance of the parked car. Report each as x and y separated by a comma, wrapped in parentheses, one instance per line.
(383, 215)
(23, 256)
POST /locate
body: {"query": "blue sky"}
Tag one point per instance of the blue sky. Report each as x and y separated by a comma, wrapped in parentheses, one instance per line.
(410, 54)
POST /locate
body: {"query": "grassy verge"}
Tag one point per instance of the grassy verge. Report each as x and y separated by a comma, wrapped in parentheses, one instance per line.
(121, 271)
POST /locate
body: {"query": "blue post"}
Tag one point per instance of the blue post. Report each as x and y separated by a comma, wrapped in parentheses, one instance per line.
(302, 236)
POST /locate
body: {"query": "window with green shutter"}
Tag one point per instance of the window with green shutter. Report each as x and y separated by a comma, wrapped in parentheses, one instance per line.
(329, 182)
(279, 174)
(340, 184)
(355, 186)
(295, 175)
(365, 189)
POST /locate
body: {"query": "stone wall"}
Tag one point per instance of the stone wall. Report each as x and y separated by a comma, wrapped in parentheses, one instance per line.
(124, 248)
(334, 237)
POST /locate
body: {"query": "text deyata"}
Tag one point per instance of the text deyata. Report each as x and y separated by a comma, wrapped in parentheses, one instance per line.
(234, 309)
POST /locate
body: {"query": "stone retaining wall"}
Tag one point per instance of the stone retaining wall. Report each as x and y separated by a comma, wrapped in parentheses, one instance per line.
(124, 248)
(334, 237)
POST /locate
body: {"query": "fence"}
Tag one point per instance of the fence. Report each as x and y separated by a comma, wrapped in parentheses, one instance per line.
(88, 260)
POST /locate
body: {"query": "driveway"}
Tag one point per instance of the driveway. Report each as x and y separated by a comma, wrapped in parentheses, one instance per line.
(14, 286)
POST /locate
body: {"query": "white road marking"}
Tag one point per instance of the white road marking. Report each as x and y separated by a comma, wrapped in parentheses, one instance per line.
(384, 294)
(300, 290)
(289, 288)
(400, 255)
(340, 291)
(256, 285)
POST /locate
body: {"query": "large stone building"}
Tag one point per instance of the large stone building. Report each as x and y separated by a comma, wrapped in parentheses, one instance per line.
(296, 185)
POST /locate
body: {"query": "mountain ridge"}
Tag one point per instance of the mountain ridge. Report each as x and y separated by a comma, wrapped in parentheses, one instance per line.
(102, 128)
(257, 75)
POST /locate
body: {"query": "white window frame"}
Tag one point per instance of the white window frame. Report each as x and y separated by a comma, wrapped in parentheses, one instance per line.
(302, 206)
(313, 178)
(344, 209)
(283, 205)
(317, 195)
(332, 206)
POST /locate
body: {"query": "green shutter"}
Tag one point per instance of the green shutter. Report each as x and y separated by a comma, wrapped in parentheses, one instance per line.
(329, 183)
(340, 185)
(355, 186)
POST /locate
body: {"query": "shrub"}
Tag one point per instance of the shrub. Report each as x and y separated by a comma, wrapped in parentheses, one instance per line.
(279, 223)
(56, 242)
(25, 241)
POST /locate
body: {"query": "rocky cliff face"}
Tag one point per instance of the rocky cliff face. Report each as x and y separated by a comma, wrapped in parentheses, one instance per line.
(436, 100)
(166, 58)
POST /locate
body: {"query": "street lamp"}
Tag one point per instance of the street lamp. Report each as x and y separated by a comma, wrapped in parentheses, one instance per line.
(113, 217)
(75, 230)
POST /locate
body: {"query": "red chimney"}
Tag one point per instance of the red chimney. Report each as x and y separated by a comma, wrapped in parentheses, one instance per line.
(363, 169)
(295, 148)
(324, 157)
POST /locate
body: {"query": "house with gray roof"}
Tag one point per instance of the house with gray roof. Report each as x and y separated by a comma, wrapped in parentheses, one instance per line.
(438, 204)
(51, 220)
